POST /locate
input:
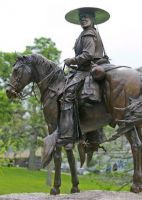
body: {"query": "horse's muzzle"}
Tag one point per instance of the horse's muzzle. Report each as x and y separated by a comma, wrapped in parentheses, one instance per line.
(11, 93)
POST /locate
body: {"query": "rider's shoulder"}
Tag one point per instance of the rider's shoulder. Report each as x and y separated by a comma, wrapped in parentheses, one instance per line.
(89, 32)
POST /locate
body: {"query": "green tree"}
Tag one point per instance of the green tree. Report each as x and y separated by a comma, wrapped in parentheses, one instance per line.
(11, 121)
(46, 47)
(6, 62)
(22, 125)
(37, 129)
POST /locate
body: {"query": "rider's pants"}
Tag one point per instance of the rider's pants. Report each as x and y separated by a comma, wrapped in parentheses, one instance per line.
(69, 119)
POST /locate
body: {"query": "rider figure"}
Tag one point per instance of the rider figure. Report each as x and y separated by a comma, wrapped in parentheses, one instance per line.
(88, 49)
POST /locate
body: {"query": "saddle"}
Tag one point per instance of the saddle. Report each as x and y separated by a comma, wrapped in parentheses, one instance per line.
(112, 84)
(92, 91)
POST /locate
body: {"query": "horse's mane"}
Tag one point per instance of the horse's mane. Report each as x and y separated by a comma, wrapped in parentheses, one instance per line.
(51, 75)
(43, 62)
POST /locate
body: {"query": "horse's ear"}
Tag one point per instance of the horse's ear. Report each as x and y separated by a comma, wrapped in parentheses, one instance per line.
(30, 58)
(27, 58)
(19, 57)
(24, 57)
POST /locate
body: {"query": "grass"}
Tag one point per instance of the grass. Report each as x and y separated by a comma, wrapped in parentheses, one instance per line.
(20, 180)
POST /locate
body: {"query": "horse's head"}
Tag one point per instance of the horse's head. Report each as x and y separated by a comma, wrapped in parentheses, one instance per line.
(21, 76)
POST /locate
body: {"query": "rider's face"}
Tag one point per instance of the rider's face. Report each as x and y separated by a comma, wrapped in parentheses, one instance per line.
(85, 21)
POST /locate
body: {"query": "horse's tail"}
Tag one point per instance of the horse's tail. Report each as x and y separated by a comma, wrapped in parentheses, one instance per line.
(139, 69)
(48, 148)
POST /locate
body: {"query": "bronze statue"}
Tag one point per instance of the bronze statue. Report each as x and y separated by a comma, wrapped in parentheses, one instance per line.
(89, 50)
(117, 87)
(118, 84)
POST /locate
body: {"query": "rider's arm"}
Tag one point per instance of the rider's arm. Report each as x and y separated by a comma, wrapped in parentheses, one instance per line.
(88, 50)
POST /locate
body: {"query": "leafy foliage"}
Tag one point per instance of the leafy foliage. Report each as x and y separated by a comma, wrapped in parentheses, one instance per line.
(10, 115)
(20, 122)
(44, 46)
(6, 61)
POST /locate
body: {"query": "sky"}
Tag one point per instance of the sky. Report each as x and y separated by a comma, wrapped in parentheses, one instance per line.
(21, 21)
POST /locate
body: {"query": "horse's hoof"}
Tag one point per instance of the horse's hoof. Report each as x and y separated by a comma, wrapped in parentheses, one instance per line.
(135, 188)
(54, 191)
(75, 190)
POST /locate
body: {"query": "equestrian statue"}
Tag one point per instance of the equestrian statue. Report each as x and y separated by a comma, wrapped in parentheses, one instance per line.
(94, 94)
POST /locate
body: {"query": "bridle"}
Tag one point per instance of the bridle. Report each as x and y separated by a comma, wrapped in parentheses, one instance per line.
(49, 79)
(17, 80)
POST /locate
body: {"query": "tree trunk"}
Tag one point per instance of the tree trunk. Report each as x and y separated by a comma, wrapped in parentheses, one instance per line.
(32, 156)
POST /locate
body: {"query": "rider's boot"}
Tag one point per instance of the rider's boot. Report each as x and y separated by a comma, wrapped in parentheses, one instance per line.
(66, 126)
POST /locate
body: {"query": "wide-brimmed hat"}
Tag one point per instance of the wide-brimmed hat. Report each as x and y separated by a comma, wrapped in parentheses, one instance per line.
(100, 15)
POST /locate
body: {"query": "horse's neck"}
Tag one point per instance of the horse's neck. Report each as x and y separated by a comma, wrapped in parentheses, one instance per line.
(50, 80)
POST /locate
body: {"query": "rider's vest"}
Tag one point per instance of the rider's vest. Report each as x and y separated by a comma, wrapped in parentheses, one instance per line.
(88, 47)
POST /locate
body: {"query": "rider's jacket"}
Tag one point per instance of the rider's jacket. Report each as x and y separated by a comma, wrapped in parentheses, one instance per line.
(88, 47)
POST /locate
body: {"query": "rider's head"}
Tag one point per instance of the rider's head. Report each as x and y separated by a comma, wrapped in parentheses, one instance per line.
(86, 18)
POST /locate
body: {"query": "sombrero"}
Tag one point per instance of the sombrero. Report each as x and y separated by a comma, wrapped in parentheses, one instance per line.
(100, 15)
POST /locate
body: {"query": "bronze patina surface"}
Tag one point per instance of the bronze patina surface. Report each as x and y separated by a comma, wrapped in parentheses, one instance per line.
(119, 85)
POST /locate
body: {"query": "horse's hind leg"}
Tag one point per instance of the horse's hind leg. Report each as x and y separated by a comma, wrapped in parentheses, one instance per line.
(136, 147)
(57, 177)
(73, 170)
(139, 161)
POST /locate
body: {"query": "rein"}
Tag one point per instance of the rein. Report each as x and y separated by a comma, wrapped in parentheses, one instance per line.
(49, 86)
(49, 76)
(46, 83)
(19, 95)
(116, 67)
(17, 80)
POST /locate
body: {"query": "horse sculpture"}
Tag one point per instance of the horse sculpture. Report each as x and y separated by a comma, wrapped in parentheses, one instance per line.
(119, 85)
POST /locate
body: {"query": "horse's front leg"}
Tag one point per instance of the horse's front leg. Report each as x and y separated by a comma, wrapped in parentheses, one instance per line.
(73, 170)
(57, 177)
(136, 147)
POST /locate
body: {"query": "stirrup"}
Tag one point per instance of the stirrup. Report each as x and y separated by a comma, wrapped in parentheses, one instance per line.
(69, 146)
(65, 141)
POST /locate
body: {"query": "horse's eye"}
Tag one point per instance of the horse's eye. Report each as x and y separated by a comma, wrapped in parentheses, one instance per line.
(15, 69)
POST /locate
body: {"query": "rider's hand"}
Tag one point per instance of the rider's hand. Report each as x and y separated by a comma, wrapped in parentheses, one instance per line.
(70, 61)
